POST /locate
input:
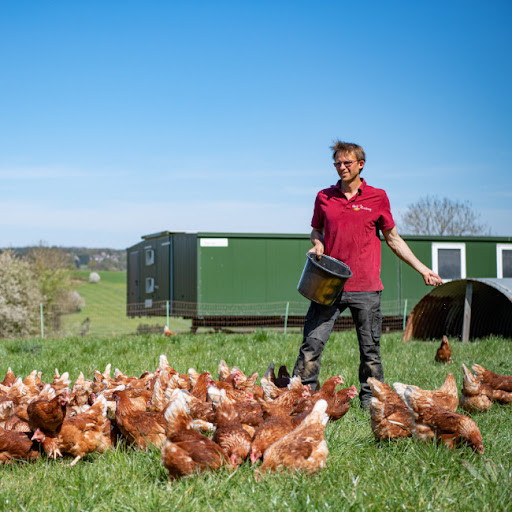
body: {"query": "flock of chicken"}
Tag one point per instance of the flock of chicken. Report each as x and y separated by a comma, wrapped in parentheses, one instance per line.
(280, 421)
(431, 414)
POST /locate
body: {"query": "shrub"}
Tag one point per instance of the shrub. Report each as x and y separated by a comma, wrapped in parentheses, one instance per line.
(19, 298)
(94, 277)
(71, 302)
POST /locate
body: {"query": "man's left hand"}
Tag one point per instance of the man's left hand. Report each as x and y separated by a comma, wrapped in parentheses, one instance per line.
(432, 279)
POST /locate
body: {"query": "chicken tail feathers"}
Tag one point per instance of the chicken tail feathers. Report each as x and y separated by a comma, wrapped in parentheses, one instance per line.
(449, 385)
(415, 400)
(295, 383)
(377, 409)
(99, 405)
(216, 395)
(376, 387)
(224, 370)
(177, 413)
(479, 370)
(318, 414)
(400, 389)
(270, 373)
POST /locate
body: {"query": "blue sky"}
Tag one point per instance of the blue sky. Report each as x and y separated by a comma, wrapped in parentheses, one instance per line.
(123, 118)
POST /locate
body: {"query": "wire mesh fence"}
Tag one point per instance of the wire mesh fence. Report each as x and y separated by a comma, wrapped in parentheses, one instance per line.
(118, 318)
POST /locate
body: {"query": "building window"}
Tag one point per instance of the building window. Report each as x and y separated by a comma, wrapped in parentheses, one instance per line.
(150, 284)
(150, 257)
(504, 260)
(449, 260)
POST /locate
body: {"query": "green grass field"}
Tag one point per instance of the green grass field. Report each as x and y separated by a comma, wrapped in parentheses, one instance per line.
(105, 307)
(361, 474)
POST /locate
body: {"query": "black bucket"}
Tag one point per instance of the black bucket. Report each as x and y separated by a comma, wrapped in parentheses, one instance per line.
(322, 280)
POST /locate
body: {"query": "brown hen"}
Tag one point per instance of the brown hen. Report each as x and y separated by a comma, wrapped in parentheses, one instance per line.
(185, 451)
(295, 392)
(48, 415)
(83, 433)
(9, 378)
(446, 396)
(16, 446)
(431, 422)
(476, 395)
(338, 402)
(444, 353)
(80, 393)
(276, 424)
(495, 380)
(304, 448)
(138, 426)
(200, 386)
(389, 414)
(229, 434)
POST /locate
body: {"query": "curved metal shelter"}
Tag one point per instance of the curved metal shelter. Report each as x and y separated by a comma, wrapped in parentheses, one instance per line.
(466, 308)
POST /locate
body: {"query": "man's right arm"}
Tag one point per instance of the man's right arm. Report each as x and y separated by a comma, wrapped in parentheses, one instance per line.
(402, 250)
(317, 239)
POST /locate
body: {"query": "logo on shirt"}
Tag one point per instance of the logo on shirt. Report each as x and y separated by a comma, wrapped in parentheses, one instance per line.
(357, 207)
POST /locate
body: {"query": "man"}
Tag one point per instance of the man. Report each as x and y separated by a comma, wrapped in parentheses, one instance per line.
(346, 223)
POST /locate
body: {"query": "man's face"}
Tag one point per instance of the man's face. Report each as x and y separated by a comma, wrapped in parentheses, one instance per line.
(348, 166)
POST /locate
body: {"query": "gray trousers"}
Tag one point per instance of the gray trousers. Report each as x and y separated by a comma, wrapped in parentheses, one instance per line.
(365, 309)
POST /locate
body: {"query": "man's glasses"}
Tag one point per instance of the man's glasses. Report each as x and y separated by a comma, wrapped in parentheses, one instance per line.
(347, 163)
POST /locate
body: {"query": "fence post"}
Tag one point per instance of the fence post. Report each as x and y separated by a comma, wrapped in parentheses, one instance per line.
(42, 319)
(167, 312)
(405, 314)
(286, 317)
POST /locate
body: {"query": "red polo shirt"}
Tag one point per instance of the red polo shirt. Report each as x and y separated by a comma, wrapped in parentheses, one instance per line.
(351, 231)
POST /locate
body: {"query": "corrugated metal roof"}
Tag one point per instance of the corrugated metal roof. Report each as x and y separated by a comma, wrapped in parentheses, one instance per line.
(441, 312)
(503, 285)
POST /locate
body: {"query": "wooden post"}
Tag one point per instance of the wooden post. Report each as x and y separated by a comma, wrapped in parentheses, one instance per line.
(467, 311)
(407, 336)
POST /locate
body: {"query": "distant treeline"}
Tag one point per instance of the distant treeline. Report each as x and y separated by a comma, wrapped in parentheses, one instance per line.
(84, 257)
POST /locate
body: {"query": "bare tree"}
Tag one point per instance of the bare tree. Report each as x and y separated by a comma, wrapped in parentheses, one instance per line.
(53, 268)
(436, 216)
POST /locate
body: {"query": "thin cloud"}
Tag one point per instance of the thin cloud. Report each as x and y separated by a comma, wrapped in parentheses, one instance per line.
(146, 217)
(310, 192)
(194, 174)
(120, 224)
(500, 193)
(46, 173)
(403, 174)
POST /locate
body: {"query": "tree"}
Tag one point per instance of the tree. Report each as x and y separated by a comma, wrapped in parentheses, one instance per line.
(53, 267)
(436, 216)
(19, 298)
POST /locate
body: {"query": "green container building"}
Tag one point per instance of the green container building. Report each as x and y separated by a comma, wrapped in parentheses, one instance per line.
(255, 274)
(217, 273)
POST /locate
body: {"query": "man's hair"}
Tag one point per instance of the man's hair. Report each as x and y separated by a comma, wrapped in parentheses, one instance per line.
(348, 147)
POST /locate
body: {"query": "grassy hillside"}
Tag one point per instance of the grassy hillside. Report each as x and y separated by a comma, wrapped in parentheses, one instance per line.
(105, 307)
(361, 474)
